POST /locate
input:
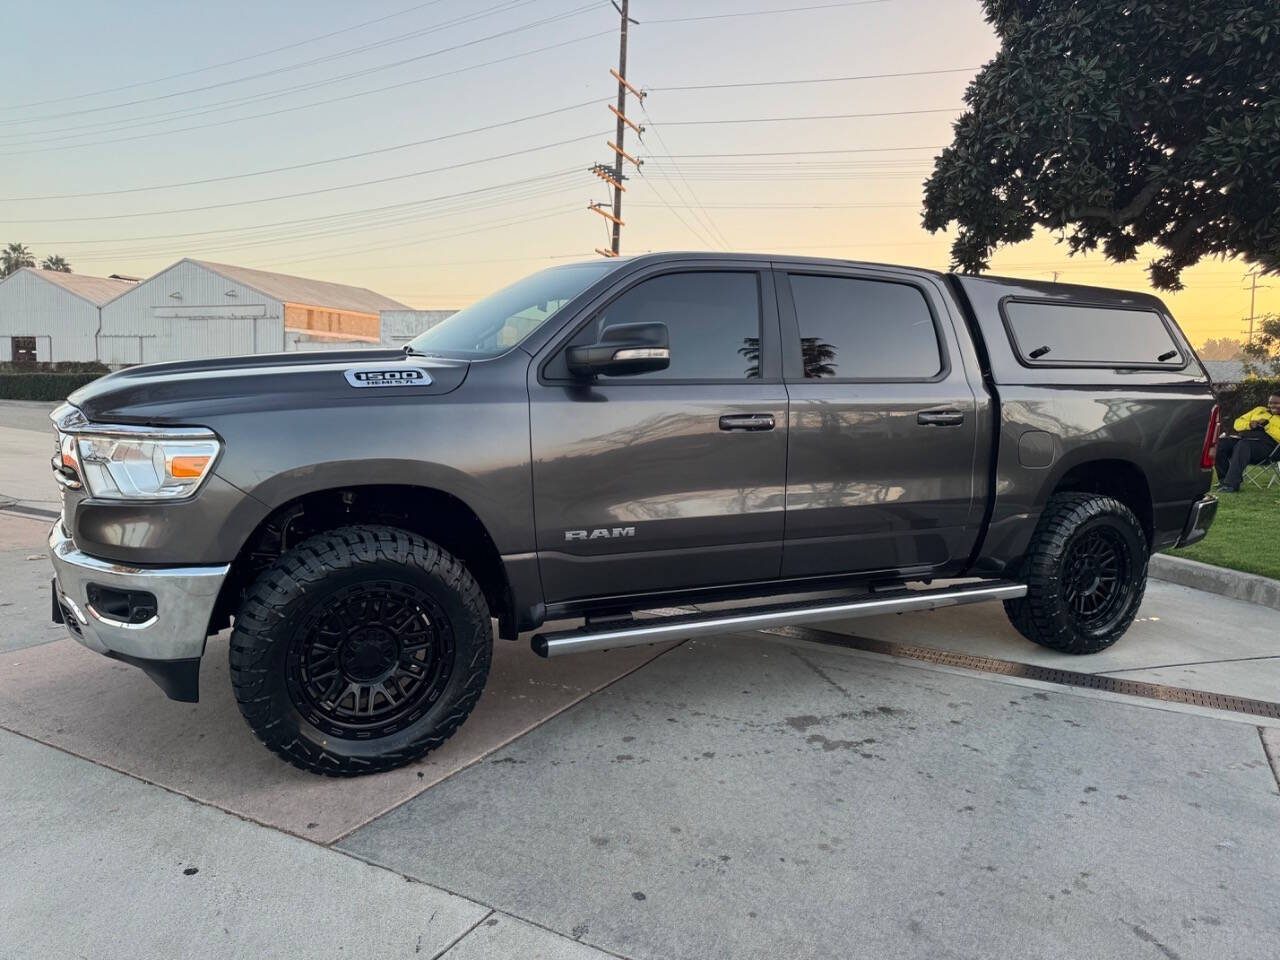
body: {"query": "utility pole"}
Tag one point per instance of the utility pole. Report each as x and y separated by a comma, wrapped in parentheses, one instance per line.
(1253, 299)
(613, 175)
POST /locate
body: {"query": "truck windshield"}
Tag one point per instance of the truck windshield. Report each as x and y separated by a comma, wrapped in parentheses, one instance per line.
(492, 326)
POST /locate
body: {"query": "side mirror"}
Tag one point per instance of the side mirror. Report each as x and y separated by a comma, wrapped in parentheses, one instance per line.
(625, 348)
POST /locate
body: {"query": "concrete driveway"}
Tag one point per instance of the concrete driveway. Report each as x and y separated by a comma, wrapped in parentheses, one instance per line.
(740, 796)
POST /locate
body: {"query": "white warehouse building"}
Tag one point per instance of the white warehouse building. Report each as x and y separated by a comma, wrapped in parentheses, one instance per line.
(199, 309)
(51, 317)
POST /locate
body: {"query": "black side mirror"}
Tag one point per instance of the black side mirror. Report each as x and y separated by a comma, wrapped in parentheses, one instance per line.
(624, 348)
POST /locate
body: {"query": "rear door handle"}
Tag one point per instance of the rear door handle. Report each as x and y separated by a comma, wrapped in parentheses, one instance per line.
(747, 421)
(940, 418)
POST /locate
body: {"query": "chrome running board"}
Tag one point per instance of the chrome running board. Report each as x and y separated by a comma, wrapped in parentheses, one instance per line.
(638, 632)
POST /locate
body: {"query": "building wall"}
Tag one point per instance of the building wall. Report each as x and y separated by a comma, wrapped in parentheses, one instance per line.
(401, 326)
(63, 324)
(188, 312)
(321, 320)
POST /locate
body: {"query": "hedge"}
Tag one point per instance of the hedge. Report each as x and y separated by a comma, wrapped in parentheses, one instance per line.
(42, 386)
(1246, 395)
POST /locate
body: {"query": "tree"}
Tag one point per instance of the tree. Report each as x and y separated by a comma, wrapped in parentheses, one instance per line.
(1221, 348)
(1262, 354)
(1119, 123)
(55, 262)
(14, 258)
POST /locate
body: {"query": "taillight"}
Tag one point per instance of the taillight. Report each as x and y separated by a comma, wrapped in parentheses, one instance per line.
(1210, 439)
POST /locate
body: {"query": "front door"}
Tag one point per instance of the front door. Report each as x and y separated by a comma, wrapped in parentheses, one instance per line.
(881, 476)
(673, 478)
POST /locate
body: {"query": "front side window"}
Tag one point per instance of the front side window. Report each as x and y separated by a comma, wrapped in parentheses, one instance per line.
(712, 318)
(494, 325)
(1065, 333)
(855, 329)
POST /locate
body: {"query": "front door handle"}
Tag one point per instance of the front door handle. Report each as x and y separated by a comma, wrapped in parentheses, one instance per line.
(747, 421)
(940, 418)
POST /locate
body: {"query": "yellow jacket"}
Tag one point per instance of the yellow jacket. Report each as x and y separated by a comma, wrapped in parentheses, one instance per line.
(1260, 413)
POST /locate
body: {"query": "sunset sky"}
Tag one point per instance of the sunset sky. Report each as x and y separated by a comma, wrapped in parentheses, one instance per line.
(126, 104)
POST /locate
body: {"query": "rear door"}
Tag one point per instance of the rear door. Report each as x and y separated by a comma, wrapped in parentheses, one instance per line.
(883, 432)
(670, 479)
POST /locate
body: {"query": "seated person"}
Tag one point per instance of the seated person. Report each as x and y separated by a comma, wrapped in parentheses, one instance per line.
(1259, 431)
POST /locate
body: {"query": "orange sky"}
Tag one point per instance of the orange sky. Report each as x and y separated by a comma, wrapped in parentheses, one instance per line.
(438, 224)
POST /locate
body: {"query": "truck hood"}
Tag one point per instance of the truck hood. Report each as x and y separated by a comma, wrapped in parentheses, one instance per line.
(186, 391)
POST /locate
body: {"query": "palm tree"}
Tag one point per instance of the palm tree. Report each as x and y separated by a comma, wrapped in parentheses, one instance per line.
(55, 262)
(14, 258)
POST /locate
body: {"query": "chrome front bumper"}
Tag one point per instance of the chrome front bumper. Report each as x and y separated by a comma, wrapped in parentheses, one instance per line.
(184, 600)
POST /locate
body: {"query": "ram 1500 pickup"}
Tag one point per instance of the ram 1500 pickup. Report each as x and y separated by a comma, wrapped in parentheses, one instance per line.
(603, 439)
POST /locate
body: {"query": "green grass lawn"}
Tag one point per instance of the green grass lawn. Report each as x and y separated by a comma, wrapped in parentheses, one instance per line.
(1246, 534)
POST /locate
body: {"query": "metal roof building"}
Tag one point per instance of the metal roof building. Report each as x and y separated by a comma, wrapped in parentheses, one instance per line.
(47, 316)
(200, 309)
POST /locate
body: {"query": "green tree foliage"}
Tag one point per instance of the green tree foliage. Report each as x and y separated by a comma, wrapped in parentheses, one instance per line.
(55, 262)
(1118, 123)
(1262, 355)
(14, 257)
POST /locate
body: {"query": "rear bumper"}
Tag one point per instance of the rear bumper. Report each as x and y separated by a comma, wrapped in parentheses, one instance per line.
(166, 643)
(1199, 520)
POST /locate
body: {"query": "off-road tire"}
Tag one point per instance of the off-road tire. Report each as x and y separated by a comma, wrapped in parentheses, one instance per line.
(294, 590)
(1045, 615)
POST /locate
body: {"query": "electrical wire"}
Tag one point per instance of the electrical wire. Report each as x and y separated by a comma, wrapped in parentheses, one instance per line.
(824, 116)
(224, 63)
(761, 13)
(309, 163)
(503, 7)
(317, 103)
(713, 229)
(308, 193)
(787, 83)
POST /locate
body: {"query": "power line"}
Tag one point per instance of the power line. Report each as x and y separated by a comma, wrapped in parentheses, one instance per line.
(713, 229)
(761, 13)
(787, 83)
(801, 153)
(309, 163)
(503, 7)
(317, 103)
(307, 193)
(379, 210)
(224, 63)
(169, 116)
(824, 116)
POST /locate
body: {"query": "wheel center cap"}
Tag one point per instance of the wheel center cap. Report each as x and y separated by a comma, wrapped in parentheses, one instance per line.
(369, 654)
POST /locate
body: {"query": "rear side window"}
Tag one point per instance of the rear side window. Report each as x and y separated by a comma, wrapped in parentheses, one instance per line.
(864, 329)
(1057, 334)
(712, 318)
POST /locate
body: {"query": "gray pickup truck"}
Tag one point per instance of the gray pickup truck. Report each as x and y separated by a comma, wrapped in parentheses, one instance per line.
(606, 439)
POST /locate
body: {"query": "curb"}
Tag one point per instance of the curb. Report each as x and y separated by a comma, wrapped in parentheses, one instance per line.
(1248, 587)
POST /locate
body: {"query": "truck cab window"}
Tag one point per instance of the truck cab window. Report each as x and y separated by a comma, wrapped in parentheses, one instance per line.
(712, 318)
(855, 329)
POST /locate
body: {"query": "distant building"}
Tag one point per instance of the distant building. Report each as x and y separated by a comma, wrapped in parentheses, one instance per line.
(200, 309)
(401, 326)
(47, 316)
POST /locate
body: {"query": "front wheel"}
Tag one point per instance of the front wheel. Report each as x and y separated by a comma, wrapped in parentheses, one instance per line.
(1086, 572)
(360, 650)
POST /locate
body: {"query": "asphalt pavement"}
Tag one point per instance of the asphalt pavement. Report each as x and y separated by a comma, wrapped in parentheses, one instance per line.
(739, 796)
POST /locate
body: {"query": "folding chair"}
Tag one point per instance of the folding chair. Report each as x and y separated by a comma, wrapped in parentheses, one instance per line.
(1268, 470)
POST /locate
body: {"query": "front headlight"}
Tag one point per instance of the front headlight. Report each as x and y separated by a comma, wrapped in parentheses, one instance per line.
(144, 468)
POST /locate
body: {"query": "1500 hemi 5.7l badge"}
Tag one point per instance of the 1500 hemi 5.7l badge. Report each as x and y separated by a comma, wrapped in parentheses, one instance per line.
(402, 377)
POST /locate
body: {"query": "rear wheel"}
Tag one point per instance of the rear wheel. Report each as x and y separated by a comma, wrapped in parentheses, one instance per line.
(360, 650)
(1086, 573)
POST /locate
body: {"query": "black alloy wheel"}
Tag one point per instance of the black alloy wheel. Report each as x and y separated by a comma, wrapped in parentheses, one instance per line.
(360, 650)
(369, 658)
(1097, 577)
